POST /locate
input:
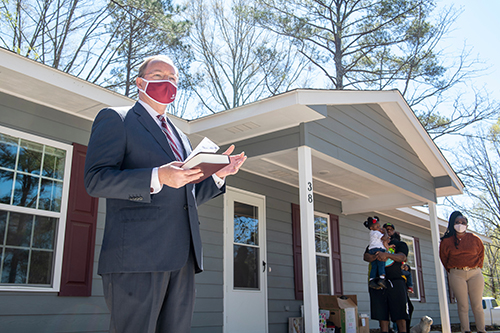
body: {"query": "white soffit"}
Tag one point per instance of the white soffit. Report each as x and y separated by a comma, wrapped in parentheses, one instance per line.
(254, 119)
(41, 84)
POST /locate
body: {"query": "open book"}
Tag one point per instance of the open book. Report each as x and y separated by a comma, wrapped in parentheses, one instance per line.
(205, 158)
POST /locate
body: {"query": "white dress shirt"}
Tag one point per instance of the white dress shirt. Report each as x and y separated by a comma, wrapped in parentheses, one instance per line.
(156, 186)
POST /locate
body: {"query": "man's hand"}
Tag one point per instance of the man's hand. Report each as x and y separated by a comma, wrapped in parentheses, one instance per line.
(172, 175)
(235, 165)
(397, 257)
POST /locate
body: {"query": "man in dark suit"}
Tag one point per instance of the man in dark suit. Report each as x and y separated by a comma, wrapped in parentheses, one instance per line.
(151, 247)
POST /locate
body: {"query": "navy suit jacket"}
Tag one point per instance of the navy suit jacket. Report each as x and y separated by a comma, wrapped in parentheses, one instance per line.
(144, 232)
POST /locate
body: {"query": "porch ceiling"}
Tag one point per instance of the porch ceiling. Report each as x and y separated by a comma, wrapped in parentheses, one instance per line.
(358, 191)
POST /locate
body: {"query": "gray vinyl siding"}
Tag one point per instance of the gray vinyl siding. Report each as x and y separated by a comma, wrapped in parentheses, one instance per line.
(47, 312)
(209, 304)
(290, 138)
(365, 138)
(41, 120)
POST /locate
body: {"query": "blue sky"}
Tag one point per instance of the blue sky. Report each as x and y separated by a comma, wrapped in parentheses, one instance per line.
(479, 27)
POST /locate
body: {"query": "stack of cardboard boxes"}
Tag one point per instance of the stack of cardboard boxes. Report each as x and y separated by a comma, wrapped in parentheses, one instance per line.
(343, 316)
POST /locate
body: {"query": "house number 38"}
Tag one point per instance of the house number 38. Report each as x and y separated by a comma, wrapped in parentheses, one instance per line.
(309, 189)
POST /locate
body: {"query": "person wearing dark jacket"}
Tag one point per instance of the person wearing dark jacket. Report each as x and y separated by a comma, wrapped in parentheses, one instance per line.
(390, 303)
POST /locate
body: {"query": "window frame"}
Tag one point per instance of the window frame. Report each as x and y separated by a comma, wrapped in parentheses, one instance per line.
(415, 278)
(329, 256)
(61, 215)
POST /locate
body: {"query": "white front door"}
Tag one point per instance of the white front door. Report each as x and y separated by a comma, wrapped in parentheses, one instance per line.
(245, 286)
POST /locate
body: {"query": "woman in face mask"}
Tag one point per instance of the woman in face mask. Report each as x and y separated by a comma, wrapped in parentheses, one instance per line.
(462, 255)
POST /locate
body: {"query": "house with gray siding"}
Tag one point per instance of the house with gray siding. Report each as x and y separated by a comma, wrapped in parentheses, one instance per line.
(288, 228)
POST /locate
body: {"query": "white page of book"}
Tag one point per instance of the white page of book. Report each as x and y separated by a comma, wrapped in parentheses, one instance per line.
(205, 146)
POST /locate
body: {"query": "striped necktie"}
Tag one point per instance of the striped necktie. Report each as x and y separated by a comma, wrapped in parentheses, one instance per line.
(170, 137)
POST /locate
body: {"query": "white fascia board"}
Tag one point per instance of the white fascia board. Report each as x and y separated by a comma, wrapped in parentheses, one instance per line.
(60, 80)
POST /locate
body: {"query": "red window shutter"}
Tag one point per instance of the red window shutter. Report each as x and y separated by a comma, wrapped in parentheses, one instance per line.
(420, 274)
(297, 253)
(79, 242)
(335, 255)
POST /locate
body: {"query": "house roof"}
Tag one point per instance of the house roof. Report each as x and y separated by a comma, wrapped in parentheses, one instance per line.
(356, 190)
(42, 84)
(303, 105)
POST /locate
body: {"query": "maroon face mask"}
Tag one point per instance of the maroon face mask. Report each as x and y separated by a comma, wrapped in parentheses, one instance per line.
(161, 91)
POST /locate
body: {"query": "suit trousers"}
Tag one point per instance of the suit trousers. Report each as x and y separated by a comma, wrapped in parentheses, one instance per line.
(155, 302)
(465, 285)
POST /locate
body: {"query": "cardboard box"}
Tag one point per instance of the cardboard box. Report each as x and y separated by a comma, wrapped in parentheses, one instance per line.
(364, 323)
(343, 311)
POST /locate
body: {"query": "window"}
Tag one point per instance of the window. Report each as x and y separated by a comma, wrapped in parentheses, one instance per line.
(411, 260)
(328, 257)
(322, 242)
(34, 182)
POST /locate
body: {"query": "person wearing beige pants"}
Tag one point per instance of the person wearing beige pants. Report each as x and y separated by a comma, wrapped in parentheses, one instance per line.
(465, 284)
(462, 254)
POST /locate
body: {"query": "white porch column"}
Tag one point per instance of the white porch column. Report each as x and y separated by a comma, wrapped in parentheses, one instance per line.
(311, 310)
(440, 277)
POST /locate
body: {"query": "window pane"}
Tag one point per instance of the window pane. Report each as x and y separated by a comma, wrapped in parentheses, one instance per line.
(246, 224)
(323, 271)
(50, 195)
(6, 179)
(8, 151)
(44, 233)
(321, 234)
(26, 190)
(246, 267)
(53, 163)
(410, 260)
(19, 230)
(15, 265)
(30, 157)
(415, 293)
(40, 267)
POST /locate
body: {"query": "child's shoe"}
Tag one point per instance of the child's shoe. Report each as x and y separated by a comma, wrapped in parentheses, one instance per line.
(374, 285)
(382, 283)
